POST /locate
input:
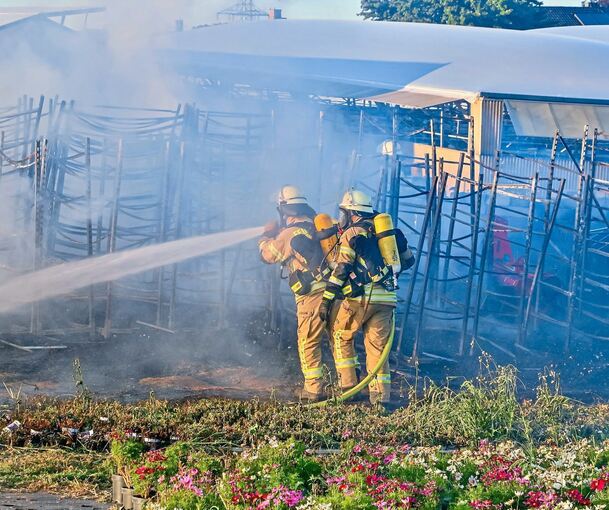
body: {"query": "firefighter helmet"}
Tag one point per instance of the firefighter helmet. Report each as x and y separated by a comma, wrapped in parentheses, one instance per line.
(357, 201)
(291, 202)
(290, 195)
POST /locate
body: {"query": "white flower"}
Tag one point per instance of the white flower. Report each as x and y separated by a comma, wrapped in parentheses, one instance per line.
(310, 504)
(564, 505)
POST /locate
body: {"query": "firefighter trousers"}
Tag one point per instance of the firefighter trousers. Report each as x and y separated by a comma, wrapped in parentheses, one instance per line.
(378, 325)
(310, 332)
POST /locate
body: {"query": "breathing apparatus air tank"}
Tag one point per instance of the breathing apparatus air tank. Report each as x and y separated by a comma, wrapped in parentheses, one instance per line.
(388, 245)
(327, 233)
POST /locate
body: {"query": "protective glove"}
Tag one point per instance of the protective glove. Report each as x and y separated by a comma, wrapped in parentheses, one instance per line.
(271, 229)
(324, 309)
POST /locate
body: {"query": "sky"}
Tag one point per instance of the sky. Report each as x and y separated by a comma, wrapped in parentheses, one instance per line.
(331, 9)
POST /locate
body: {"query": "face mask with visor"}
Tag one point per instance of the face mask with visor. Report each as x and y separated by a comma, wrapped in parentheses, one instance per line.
(344, 219)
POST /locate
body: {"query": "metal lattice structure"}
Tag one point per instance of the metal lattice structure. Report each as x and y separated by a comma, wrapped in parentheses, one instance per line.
(511, 253)
(245, 10)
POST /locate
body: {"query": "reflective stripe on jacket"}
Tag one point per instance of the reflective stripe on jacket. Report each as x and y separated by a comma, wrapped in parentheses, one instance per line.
(345, 261)
(279, 250)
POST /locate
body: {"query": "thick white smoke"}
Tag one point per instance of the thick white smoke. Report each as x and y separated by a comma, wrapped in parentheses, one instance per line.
(112, 62)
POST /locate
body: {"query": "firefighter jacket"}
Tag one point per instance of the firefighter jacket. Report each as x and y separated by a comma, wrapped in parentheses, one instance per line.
(297, 250)
(350, 263)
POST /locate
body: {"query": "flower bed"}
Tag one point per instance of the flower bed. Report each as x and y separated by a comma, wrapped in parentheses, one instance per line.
(286, 475)
(217, 453)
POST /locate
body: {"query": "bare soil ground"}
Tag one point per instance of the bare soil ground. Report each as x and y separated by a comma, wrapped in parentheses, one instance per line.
(130, 366)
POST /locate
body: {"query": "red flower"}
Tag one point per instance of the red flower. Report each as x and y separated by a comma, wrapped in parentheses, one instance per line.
(155, 456)
(578, 497)
(538, 499)
(597, 485)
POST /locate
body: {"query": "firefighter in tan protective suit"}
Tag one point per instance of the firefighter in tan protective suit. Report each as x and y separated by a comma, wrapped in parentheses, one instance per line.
(368, 288)
(293, 244)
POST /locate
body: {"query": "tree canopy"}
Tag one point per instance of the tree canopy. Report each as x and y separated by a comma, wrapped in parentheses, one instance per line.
(518, 14)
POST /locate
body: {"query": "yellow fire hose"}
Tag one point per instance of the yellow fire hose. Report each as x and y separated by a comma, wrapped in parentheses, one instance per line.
(368, 379)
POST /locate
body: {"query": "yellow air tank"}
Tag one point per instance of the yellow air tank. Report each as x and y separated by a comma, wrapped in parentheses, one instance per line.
(326, 233)
(388, 245)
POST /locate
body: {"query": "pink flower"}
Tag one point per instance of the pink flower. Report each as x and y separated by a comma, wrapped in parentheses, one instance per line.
(538, 499)
(481, 504)
(277, 497)
(389, 458)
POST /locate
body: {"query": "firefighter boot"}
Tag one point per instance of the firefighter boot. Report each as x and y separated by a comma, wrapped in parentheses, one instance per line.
(308, 397)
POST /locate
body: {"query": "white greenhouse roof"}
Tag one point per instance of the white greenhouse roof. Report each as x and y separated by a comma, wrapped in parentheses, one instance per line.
(598, 33)
(413, 64)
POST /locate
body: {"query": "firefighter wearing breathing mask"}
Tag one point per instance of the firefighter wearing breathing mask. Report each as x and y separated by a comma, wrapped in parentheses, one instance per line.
(292, 243)
(367, 285)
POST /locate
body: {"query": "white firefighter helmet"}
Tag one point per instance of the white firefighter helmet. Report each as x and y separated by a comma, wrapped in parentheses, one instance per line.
(357, 201)
(290, 195)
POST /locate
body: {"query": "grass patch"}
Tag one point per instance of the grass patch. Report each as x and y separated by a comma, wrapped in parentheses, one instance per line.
(57, 471)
